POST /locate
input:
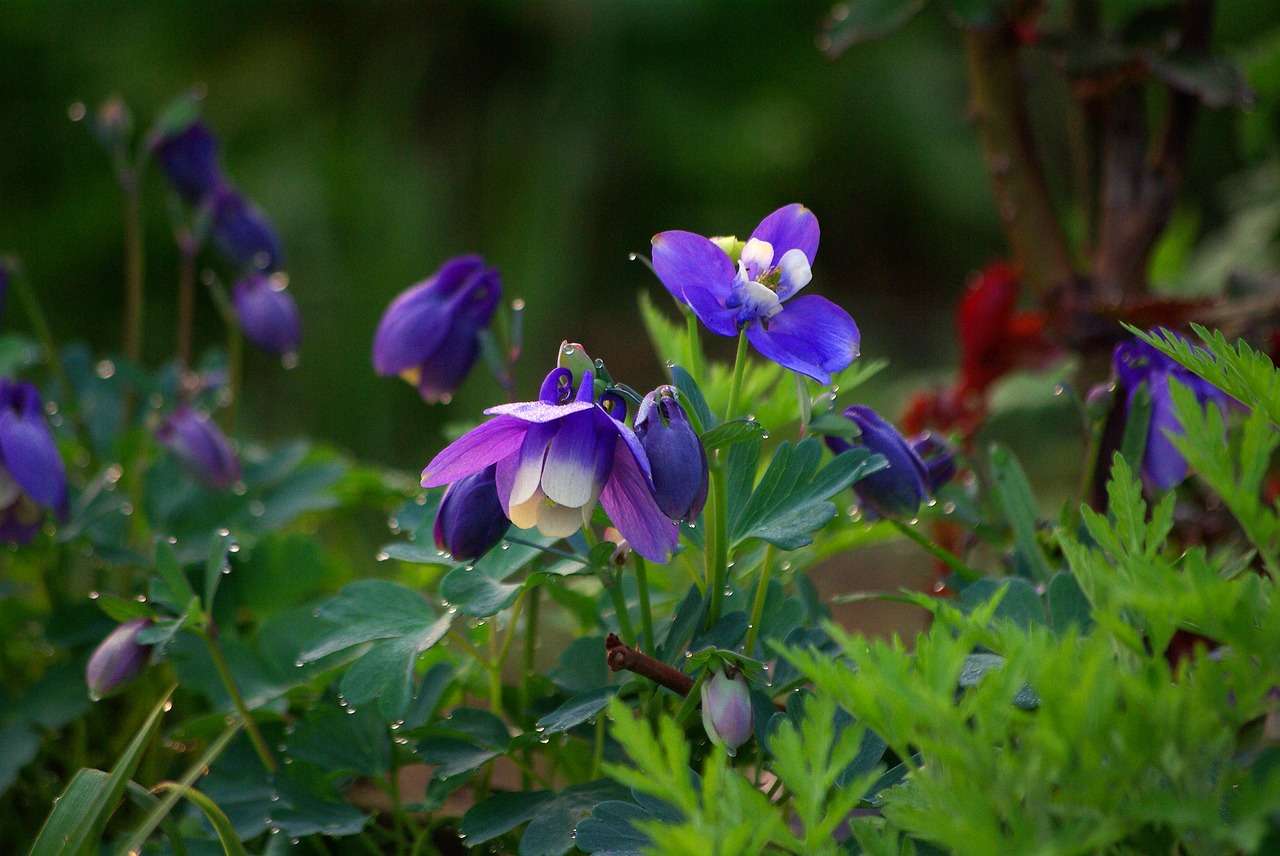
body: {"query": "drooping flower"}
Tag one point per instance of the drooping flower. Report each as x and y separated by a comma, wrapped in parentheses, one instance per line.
(430, 334)
(189, 158)
(676, 457)
(242, 232)
(267, 313)
(200, 447)
(471, 521)
(756, 291)
(906, 481)
(118, 659)
(32, 475)
(1139, 365)
(727, 715)
(556, 457)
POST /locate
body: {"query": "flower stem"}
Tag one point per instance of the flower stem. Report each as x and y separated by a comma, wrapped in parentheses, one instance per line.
(228, 681)
(698, 364)
(187, 247)
(958, 567)
(620, 606)
(646, 610)
(739, 369)
(235, 350)
(762, 592)
(717, 545)
(134, 297)
(495, 675)
(40, 325)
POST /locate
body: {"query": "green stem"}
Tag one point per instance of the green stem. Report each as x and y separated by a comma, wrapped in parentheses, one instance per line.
(739, 369)
(646, 610)
(717, 554)
(495, 675)
(530, 666)
(698, 366)
(186, 308)
(597, 754)
(757, 608)
(40, 325)
(958, 567)
(134, 298)
(465, 644)
(228, 681)
(235, 351)
(691, 701)
(614, 586)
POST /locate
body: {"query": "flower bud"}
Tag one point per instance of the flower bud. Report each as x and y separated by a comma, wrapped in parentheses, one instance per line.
(470, 521)
(727, 715)
(241, 232)
(677, 460)
(938, 456)
(32, 475)
(189, 158)
(118, 660)
(899, 488)
(267, 313)
(200, 447)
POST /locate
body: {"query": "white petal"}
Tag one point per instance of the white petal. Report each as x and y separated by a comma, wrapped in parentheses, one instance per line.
(757, 255)
(795, 271)
(558, 521)
(525, 515)
(759, 301)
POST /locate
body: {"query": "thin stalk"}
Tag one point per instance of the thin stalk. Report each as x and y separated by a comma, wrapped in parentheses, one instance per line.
(235, 350)
(397, 803)
(619, 606)
(530, 665)
(762, 591)
(495, 676)
(691, 701)
(134, 299)
(739, 369)
(187, 247)
(717, 554)
(957, 566)
(698, 367)
(465, 644)
(228, 681)
(40, 326)
(646, 610)
(597, 753)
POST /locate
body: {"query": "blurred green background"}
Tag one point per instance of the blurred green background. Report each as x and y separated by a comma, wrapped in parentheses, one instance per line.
(554, 138)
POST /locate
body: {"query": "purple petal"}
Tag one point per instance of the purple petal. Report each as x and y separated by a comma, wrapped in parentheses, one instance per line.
(190, 161)
(242, 232)
(200, 446)
(792, 227)
(811, 335)
(1162, 463)
(634, 513)
(698, 274)
(520, 475)
(568, 475)
(538, 411)
(417, 321)
(267, 314)
(27, 447)
(473, 451)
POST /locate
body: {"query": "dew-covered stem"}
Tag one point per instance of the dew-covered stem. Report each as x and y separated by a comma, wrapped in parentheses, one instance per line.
(762, 592)
(228, 681)
(739, 369)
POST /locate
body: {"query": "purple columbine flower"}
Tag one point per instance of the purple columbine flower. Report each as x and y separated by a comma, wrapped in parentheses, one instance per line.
(809, 334)
(117, 660)
(267, 313)
(676, 457)
(430, 334)
(1138, 364)
(471, 520)
(242, 232)
(200, 446)
(727, 715)
(907, 480)
(189, 158)
(32, 476)
(556, 457)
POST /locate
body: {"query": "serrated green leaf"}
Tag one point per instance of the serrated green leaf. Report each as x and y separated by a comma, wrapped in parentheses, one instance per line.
(169, 569)
(731, 433)
(1019, 506)
(576, 711)
(1019, 602)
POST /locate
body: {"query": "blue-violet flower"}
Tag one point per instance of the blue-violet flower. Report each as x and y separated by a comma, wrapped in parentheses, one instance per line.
(189, 158)
(676, 457)
(809, 334)
(118, 659)
(267, 313)
(32, 475)
(1137, 364)
(906, 480)
(727, 714)
(430, 334)
(200, 447)
(556, 457)
(242, 232)
(470, 521)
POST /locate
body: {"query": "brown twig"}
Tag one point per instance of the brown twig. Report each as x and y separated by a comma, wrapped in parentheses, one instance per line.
(621, 656)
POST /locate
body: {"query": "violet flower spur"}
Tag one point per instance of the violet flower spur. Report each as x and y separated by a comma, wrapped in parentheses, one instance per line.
(200, 447)
(808, 334)
(556, 457)
(907, 479)
(471, 521)
(189, 158)
(1137, 364)
(676, 457)
(242, 232)
(118, 659)
(32, 475)
(267, 313)
(430, 334)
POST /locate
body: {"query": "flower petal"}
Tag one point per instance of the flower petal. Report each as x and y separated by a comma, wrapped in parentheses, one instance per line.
(792, 227)
(631, 507)
(1162, 463)
(417, 321)
(811, 335)
(525, 469)
(478, 448)
(539, 411)
(698, 274)
(28, 449)
(795, 273)
(568, 476)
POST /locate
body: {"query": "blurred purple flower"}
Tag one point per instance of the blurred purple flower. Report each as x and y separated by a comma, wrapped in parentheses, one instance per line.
(200, 446)
(809, 334)
(242, 232)
(556, 457)
(1137, 364)
(189, 158)
(32, 475)
(676, 457)
(430, 334)
(727, 714)
(267, 313)
(118, 659)
(907, 480)
(471, 521)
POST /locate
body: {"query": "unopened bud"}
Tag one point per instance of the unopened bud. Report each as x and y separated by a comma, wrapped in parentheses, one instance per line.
(118, 660)
(727, 715)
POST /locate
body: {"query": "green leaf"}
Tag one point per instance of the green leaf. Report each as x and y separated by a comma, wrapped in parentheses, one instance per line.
(866, 21)
(691, 396)
(308, 806)
(1019, 506)
(1067, 604)
(215, 565)
(1019, 602)
(791, 499)
(415, 552)
(170, 570)
(81, 813)
(463, 741)
(978, 13)
(576, 711)
(435, 683)
(551, 831)
(19, 745)
(609, 830)
(17, 353)
(501, 813)
(222, 827)
(341, 742)
(122, 610)
(733, 432)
